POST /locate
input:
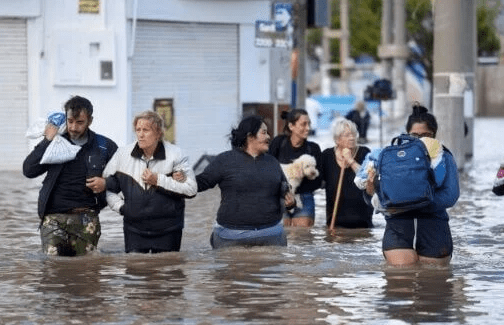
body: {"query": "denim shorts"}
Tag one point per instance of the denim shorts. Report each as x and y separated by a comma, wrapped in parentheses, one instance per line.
(270, 236)
(429, 237)
(308, 209)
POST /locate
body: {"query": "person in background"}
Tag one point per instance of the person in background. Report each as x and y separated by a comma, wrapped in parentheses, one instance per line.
(314, 109)
(73, 192)
(147, 183)
(422, 235)
(286, 148)
(361, 117)
(346, 156)
(252, 187)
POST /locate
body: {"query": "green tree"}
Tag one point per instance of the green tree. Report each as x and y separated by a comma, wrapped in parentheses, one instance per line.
(365, 30)
(488, 41)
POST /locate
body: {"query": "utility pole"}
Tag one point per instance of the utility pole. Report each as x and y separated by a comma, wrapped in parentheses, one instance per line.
(393, 51)
(325, 82)
(344, 46)
(454, 33)
(399, 77)
(300, 47)
(343, 34)
(386, 37)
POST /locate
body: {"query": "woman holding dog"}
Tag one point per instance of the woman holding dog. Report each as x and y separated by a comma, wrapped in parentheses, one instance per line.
(252, 186)
(344, 160)
(290, 146)
(422, 235)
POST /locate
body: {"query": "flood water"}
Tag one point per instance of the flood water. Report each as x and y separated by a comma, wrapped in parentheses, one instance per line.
(316, 279)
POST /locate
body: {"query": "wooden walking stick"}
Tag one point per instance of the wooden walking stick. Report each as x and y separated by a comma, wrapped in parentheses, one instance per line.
(338, 190)
(336, 201)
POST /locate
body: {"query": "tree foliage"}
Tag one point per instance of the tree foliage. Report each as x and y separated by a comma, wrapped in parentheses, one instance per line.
(488, 41)
(365, 30)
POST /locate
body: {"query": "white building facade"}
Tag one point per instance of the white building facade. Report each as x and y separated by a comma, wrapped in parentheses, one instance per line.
(192, 60)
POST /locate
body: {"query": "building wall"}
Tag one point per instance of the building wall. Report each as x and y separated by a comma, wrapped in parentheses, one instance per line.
(490, 90)
(204, 118)
(65, 50)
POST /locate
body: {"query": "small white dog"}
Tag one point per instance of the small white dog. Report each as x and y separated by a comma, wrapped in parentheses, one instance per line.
(304, 166)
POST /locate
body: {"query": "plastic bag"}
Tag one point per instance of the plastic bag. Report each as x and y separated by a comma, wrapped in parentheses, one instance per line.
(37, 129)
(60, 150)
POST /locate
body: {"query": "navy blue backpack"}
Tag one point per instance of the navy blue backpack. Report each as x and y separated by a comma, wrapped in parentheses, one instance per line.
(405, 177)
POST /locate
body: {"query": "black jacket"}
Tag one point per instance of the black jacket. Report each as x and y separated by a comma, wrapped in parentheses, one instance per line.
(251, 189)
(100, 148)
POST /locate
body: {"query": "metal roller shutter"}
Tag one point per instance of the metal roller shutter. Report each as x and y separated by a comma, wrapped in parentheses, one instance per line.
(13, 93)
(196, 65)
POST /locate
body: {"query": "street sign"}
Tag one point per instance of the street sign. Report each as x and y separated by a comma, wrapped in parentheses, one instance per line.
(283, 16)
(276, 33)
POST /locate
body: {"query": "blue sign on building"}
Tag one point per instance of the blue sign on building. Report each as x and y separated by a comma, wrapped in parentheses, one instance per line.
(279, 32)
(283, 16)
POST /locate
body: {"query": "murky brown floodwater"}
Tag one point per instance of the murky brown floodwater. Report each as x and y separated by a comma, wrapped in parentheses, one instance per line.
(315, 280)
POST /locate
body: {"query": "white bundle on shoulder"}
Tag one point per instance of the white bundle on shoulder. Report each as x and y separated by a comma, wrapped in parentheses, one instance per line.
(60, 150)
(36, 130)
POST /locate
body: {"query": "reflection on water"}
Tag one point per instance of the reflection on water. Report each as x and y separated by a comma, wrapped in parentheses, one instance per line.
(320, 278)
(423, 295)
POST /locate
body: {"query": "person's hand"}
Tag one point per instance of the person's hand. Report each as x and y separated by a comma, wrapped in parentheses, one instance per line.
(50, 131)
(96, 184)
(347, 156)
(179, 176)
(370, 187)
(149, 177)
(290, 200)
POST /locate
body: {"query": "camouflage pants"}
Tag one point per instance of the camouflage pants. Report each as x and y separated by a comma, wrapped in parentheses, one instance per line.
(66, 234)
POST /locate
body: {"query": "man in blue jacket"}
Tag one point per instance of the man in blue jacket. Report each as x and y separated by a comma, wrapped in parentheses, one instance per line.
(73, 192)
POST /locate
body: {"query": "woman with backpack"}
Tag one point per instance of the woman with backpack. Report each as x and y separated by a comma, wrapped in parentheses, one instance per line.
(422, 235)
(286, 148)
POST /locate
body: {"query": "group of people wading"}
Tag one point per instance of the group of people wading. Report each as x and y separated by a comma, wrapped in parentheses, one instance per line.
(148, 181)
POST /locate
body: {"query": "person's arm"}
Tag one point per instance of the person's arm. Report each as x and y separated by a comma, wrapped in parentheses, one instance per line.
(211, 176)
(448, 193)
(317, 182)
(31, 165)
(114, 200)
(188, 187)
(286, 194)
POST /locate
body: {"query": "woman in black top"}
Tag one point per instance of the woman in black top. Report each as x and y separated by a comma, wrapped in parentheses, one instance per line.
(252, 187)
(286, 148)
(353, 212)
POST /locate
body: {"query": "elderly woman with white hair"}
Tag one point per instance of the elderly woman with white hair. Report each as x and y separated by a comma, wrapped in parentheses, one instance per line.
(344, 160)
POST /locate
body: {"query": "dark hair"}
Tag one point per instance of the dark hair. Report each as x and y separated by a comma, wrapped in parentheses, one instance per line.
(421, 115)
(292, 117)
(78, 104)
(249, 125)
